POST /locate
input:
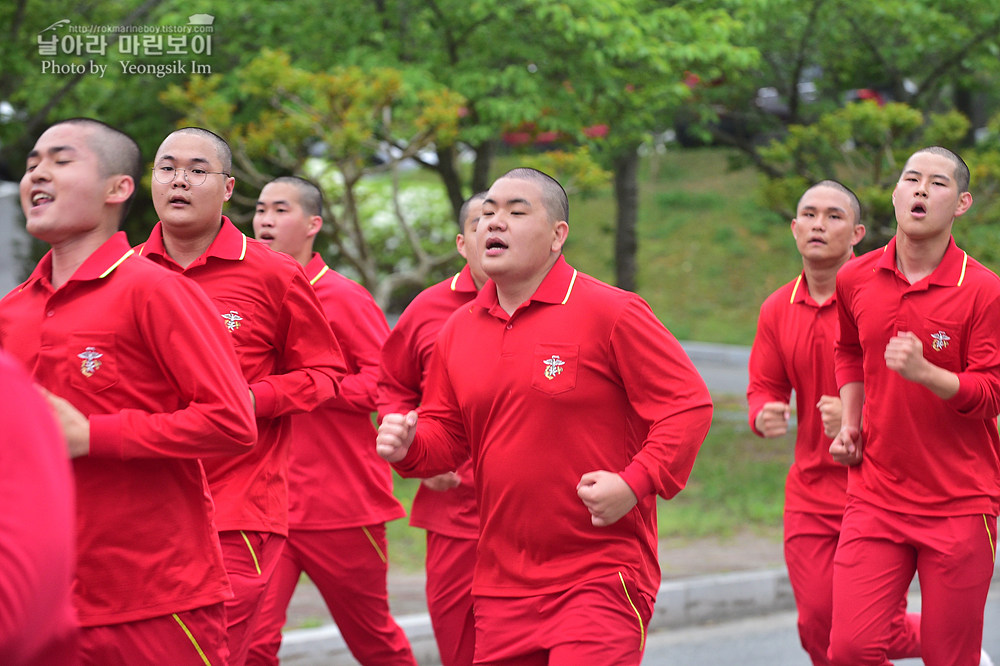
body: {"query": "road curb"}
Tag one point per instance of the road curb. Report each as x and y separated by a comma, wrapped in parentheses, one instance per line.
(735, 355)
(680, 602)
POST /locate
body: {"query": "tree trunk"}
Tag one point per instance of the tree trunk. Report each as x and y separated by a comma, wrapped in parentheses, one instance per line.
(481, 166)
(450, 177)
(626, 169)
(965, 102)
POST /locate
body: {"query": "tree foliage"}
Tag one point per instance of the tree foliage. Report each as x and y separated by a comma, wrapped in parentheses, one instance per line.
(444, 80)
(278, 115)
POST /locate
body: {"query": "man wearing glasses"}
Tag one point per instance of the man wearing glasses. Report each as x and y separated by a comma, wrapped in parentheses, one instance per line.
(286, 349)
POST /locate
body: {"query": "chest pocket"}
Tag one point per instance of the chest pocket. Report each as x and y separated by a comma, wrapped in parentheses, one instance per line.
(942, 341)
(554, 368)
(238, 317)
(92, 361)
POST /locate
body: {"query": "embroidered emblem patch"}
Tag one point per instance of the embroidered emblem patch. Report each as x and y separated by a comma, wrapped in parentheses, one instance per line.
(941, 340)
(553, 366)
(90, 364)
(233, 320)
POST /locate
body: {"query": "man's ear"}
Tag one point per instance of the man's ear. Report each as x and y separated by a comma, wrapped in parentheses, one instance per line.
(560, 232)
(859, 234)
(964, 203)
(120, 188)
(314, 225)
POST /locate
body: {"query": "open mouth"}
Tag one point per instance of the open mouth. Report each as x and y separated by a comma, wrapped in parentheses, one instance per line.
(494, 247)
(918, 209)
(266, 237)
(178, 199)
(40, 199)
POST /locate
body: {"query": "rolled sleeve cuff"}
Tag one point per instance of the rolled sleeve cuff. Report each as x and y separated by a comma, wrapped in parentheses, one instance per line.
(265, 399)
(106, 436)
(848, 376)
(638, 479)
(968, 394)
(753, 421)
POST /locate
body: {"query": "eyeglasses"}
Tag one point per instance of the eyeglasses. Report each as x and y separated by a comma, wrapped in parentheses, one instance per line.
(165, 174)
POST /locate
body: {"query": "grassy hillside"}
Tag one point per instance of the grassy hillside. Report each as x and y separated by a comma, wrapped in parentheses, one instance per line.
(708, 252)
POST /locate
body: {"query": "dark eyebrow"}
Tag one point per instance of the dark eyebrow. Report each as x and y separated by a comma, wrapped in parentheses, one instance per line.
(828, 209)
(194, 160)
(51, 151)
(510, 202)
(279, 202)
(936, 176)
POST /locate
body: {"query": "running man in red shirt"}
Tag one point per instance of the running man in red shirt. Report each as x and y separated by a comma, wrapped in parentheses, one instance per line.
(578, 408)
(37, 551)
(288, 354)
(918, 365)
(144, 383)
(793, 350)
(340, 490)
(445, 505)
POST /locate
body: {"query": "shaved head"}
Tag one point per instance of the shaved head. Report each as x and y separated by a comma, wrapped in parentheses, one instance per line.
(553, 195)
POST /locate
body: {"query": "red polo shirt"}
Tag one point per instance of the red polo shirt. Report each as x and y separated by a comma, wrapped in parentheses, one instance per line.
(793, 349)
(288, 355)
(921, 454)
(582, 377)
(336, 479)
(140, 351)
(405, 361)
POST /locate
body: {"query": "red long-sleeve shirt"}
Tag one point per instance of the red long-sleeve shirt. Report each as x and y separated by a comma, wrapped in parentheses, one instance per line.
(336, 479)
(583, 377)
(37, 553)
(141, 352)
(406, 358)
(921, 454)
(793, 349)
(288, 355)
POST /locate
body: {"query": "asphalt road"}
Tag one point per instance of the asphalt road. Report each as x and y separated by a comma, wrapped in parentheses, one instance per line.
(771, 640)
(723, 367)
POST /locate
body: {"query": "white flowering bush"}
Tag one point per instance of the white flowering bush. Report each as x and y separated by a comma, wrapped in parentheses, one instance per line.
(368, 230)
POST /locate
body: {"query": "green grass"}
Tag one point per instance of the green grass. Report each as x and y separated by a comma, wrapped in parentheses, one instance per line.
(407, 545)
(737, 482)
(709, 254)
